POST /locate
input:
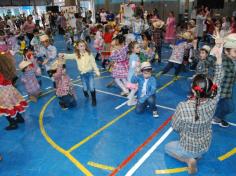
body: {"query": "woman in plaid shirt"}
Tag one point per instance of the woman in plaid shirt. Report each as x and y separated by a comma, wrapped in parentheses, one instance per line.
(192, 119)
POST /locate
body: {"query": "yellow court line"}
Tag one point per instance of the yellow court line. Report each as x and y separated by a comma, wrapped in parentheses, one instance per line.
(227, 155)
(111, 123)
(57, 147)
(100, 130)
(101, 166)
(166, 85)
(172, 171)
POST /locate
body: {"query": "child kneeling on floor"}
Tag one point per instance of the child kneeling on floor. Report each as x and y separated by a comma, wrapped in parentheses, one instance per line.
(146, 89)
(192, 118)
(64, 87)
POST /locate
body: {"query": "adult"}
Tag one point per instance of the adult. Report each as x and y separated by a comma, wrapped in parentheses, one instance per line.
(61, 23)
(170, 28)
(28, 27)
(103, 16)
(79, 25)
(201, 17)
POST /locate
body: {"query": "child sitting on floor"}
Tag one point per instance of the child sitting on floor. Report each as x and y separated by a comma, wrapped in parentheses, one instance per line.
(146, 89)
(64, 86)
(192, 118)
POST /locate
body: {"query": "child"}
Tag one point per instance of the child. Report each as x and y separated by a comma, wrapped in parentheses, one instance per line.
(12, 43)
(204, 63)
(12, 104)
(98, 42)
(107, 37)
(68, 39)
(134, 63)
(147, 54)
(87, 66)
(22, 43)
(192, 118)
(30, 81)
(146, 90)
(50, 52)
(64, 86)
(121, 64)
(177, 56)
(35, 42)
(3, 45)
(226, 104)
(157, 36)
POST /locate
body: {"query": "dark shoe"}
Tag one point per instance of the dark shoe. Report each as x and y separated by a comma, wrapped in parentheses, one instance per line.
(86, 94)
(94, 101)
(12, 124)
(224, 124)
(19, 118)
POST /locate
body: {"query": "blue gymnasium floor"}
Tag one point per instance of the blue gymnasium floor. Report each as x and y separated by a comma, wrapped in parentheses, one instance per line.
(97, 140)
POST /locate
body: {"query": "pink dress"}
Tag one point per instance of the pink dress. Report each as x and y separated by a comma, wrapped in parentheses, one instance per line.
(170, 30)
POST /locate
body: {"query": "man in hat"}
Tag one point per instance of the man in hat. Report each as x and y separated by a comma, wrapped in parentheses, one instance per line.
(146, 90)
(226, 104)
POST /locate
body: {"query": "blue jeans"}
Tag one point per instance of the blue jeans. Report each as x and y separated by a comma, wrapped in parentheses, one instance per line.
(225, 106)
(170, 65)
(67, 101)
(151, 101)
(88, 81)
(176, 151)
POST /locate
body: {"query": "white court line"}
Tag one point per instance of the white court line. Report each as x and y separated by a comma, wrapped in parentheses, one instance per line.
(101, 91)
(165, 107)
(45, 77)
(25, 96)
(121, 105)
(232, 124)
(48, 88)
(149, 152)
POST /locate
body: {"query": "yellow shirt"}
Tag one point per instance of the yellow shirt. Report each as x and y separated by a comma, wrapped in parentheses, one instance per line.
(85, 64)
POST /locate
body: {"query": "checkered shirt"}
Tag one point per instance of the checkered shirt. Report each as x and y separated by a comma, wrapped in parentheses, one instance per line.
(229, 78)
(31, 83)
(195, 136)
(121, 66)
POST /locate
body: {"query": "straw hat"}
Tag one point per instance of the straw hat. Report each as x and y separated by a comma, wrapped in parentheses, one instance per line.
(56, 64)
(158, 24)
(146, 66)
(187, 36)
(230, 41)
(44, 38)
(206, 48)
(192, 22)
(24, 64)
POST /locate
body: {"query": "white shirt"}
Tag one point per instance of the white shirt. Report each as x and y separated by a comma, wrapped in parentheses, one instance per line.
(144, 90)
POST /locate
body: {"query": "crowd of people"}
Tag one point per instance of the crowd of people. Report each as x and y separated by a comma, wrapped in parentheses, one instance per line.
(206, 43)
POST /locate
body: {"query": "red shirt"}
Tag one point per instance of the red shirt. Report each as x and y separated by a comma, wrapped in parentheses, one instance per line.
(108, 37)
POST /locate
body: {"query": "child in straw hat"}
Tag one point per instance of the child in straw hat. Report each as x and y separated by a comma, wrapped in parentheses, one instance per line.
(29, 79)
(177, 56)
(157, 36)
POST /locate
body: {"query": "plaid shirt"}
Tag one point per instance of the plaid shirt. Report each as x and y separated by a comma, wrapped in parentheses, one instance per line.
(229, 78)
(195, 136)
(63, 83)
(31, 83)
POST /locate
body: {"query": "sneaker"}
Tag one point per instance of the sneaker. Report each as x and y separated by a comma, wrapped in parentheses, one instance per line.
(124, 94)
(221, 123)
(155, 114)
(224, 124)
(132, 102)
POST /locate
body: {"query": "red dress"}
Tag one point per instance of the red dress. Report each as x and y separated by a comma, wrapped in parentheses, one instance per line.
(11, 101)
(107, 37)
